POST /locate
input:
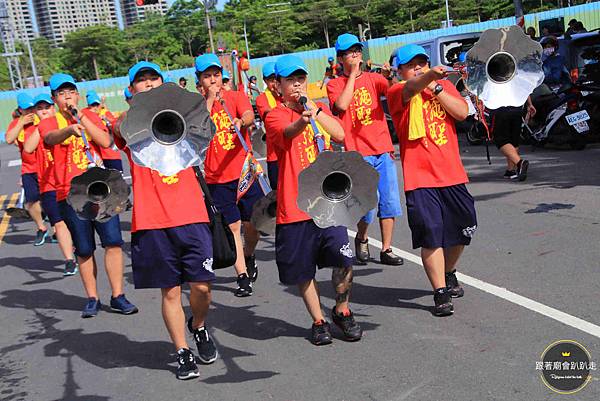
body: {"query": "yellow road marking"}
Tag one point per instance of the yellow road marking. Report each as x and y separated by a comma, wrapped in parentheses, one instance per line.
(5, 218)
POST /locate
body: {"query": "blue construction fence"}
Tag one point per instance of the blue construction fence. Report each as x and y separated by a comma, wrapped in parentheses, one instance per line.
(380, 50)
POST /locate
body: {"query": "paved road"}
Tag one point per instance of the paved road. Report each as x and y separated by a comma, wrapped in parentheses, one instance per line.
(537, 239)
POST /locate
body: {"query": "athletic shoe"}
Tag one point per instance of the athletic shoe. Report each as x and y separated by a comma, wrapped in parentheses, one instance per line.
(510, 174)
(91, 308)
(443, 302)
(320, 333)
(388, 257)
(522, 167)
(453, 286)
(40, 237)
(352, 331)
(251, 267)
(187, 368)
(207, 350)
(362, 251)
(53, 239)
(70, 268)
(121, 305)
(244, 286)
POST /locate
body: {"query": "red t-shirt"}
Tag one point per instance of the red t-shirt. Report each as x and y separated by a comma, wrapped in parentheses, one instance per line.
(225, 155)
(164, 201)
(433, 161)
(45, 163)
(70, 159)
(263, 106)
(112, 152)
(294, 155)
(28, 160)
(364, 121)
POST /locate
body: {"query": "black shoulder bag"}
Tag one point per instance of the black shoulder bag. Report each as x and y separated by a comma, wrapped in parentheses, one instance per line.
(223, 242)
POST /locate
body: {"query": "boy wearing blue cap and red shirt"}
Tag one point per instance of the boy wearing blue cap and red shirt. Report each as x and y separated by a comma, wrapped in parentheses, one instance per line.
(18, 131)
(44, 108)
(111, 155)
(223, 165)
(171, 243)
(441, 212)
(63, 133)
(300, 245)
(265, 102)
(355, 97)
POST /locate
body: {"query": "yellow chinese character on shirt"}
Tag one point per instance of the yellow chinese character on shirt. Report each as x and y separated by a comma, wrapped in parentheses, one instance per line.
(311, 153)
(362, 103)
(363, 114)
(224, 135)
(169, 179)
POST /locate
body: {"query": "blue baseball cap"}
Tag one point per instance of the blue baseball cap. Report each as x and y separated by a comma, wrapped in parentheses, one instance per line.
(206, 61)
(141, 66)
(225, 74)
(127, 94)
(462, 57)
(92, 98)
(330, 58)
(346, 41)
(24, 101)
(42, 97)
(268, 69)
(60, 79)
(287, 65)
(404, 54)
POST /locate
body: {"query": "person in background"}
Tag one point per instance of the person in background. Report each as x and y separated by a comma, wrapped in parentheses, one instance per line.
(571, 27)
(531, 33)
(183, 82)
(111, 155)
(226, 81)
(555, 70)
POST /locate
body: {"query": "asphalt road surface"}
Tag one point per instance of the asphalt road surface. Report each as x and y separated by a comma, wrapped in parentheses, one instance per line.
(531, 275)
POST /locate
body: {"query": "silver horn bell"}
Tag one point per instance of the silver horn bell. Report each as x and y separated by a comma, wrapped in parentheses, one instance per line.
(98, 194)
(338, 189)
(504, 67)
(167, 129)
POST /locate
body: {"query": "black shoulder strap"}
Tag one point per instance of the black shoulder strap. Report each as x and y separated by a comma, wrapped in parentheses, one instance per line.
(207, 197)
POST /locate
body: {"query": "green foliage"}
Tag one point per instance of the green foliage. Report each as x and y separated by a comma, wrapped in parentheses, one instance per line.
(173, 40)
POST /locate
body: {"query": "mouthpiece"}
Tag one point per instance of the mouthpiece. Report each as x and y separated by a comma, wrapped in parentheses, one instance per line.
(302, 100)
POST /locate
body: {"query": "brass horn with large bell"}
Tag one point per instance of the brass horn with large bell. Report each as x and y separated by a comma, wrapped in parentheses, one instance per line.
(504, 67)
(98, 194)
(167, 129)
(18, 211)
(338, 189)
(264, 213)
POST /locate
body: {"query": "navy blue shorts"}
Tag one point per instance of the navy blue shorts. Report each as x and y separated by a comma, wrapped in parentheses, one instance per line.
(441, 217)
(31, 187)
(225, 196)
(168, 257)
(302, 247)
(116, 164)
(50, 207)
(273, 172)
(82, 231)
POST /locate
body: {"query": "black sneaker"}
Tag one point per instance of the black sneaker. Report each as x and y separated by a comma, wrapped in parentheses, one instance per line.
(443, 302)
(388, 257)
(40, 237)
(251, 267)
(187, 368)
(510, 175)
(320, 333)
(207, 351)
(522, 167)
(362, 251)
(244, 286)
(53, 239)
(453, 286)
(70, 268)
(352, 330)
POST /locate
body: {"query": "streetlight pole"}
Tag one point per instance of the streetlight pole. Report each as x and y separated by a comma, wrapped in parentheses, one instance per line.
(448, 15)
(519, 15)
(206, 4)
(32, 61)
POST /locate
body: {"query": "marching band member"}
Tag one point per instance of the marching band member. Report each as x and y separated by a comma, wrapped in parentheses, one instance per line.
(225, 158)
(44, 108)
(265, 102)
(63, 133)
(171, 242)
(19, 130)
(111, 155)
(356, 98)
(301, 246)
(441, 212)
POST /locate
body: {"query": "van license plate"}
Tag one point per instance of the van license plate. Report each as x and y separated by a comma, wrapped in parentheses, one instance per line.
(574, 118)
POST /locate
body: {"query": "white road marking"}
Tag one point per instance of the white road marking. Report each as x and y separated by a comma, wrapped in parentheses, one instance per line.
(505, 294)
(14, 163)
